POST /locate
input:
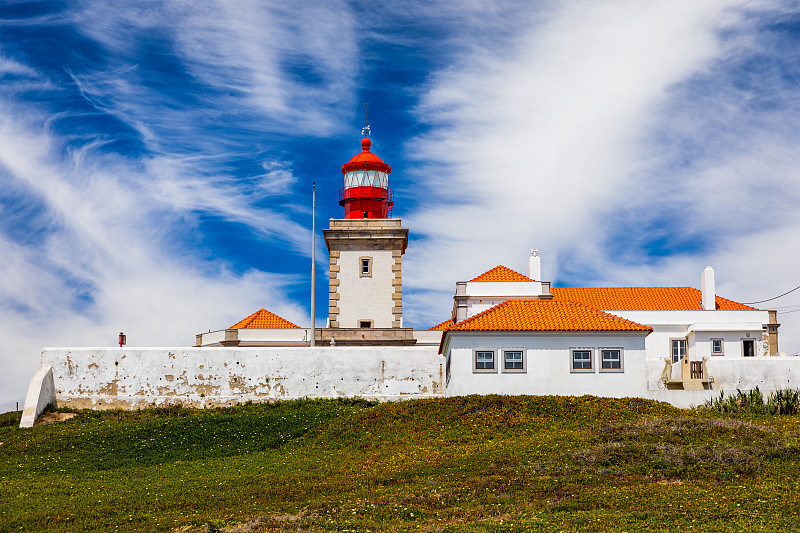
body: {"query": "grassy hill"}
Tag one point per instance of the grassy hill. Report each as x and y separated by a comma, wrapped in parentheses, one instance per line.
(492, 463)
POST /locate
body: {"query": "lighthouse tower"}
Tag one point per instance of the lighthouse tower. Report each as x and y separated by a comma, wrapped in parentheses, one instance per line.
(365, 304)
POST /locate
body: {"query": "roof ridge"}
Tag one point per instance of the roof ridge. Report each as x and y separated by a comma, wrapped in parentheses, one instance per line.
(485, 311)
(248, 319)
(610, 315)
(666, 298)
(500, 270)
(438, 327)
(280, 322)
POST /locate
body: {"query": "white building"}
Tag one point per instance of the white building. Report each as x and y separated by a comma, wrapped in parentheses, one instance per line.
(675, 338)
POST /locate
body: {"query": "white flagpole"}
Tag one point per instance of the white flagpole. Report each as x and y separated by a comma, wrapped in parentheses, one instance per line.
(313, 259)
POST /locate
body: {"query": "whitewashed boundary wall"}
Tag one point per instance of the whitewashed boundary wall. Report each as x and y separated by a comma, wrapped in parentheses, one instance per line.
(130, 378)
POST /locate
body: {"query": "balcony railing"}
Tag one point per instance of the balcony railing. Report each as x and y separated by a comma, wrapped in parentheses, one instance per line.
(368, 193)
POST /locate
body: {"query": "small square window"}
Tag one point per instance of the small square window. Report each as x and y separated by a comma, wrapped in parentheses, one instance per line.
(717, 346)
(365, 323)
(611, 360)
(484, 361)
(582, 360)
(513, 361)
(365, 267)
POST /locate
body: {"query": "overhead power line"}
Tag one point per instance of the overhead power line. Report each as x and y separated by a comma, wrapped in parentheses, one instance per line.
(775, 298)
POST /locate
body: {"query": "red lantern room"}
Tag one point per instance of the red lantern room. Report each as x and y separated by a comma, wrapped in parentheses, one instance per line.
(366, 192)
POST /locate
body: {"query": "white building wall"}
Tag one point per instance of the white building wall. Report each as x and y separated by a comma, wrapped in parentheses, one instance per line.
(137, 377)
(365, 297)
(529, 289)
(698, 328)
(548, 365)
(548, 370)
(273, 334)
(479, 305)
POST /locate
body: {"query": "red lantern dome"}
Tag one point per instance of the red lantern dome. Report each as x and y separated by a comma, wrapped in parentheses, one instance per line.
(366, 192)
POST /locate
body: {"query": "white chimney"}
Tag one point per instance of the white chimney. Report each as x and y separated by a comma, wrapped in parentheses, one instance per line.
(535, 266)
(709, 300)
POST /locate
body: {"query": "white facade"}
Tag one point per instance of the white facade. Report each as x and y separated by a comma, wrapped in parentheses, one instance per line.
(365, 296)
(547, 364)
(698, 328)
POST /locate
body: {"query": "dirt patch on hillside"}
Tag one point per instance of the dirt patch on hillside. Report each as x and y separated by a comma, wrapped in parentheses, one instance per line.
(52, 418)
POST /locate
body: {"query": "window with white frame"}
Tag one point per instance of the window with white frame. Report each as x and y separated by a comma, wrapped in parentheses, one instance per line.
(365, 267)
(717, 347)
(581, 360)
(611, 360)
(514, 360)
(484, 361)
(678, 349)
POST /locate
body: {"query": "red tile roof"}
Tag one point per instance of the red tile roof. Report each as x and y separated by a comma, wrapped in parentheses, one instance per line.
(263, 319)
(444, 325)
(545, 315)
(501, 273)
(642, 299)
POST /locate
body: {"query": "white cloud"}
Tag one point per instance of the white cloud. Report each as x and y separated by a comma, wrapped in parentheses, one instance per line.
(602, 123)
(112, 235)
(103, 259)
(280, 66)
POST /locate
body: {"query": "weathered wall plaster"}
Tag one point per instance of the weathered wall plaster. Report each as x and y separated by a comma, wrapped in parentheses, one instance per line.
(130, 378)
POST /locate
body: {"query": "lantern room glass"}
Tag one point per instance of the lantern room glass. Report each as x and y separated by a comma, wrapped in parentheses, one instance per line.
(366, 178)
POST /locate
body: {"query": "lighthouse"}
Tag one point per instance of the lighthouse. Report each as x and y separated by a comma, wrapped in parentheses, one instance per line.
(365, 299)
(366, 192)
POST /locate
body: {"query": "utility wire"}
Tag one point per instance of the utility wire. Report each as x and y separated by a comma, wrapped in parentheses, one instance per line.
(775, 298)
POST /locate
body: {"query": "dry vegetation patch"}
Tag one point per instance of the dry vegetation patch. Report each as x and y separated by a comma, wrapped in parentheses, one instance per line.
(680, 447)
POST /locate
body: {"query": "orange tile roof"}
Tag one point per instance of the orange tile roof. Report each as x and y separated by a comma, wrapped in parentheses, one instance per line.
(444, 325)
(263, 319)
(642, 298)
(545, 315)
(501, 273)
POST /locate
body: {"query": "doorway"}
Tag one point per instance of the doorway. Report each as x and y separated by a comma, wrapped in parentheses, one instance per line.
(749, 348)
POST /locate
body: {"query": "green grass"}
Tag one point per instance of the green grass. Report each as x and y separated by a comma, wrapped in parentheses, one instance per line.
(492, 463)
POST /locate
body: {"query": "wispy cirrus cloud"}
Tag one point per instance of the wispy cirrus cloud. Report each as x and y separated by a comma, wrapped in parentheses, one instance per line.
(633, 143)
(154, 119)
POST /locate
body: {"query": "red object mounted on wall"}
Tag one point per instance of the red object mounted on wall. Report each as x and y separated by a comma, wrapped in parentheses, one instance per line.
(123, 339)
(366, 192)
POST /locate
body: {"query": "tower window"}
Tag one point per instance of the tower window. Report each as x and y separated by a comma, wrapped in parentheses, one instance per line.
(365, 265)
(365, 323)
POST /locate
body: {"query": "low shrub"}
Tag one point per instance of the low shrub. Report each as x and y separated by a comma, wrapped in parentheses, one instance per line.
(780, 402)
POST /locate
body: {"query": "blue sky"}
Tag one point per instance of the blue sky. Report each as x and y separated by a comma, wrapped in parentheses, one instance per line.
(160, 157)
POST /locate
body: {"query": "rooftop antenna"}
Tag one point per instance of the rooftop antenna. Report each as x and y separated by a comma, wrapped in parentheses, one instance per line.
(365, 130)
